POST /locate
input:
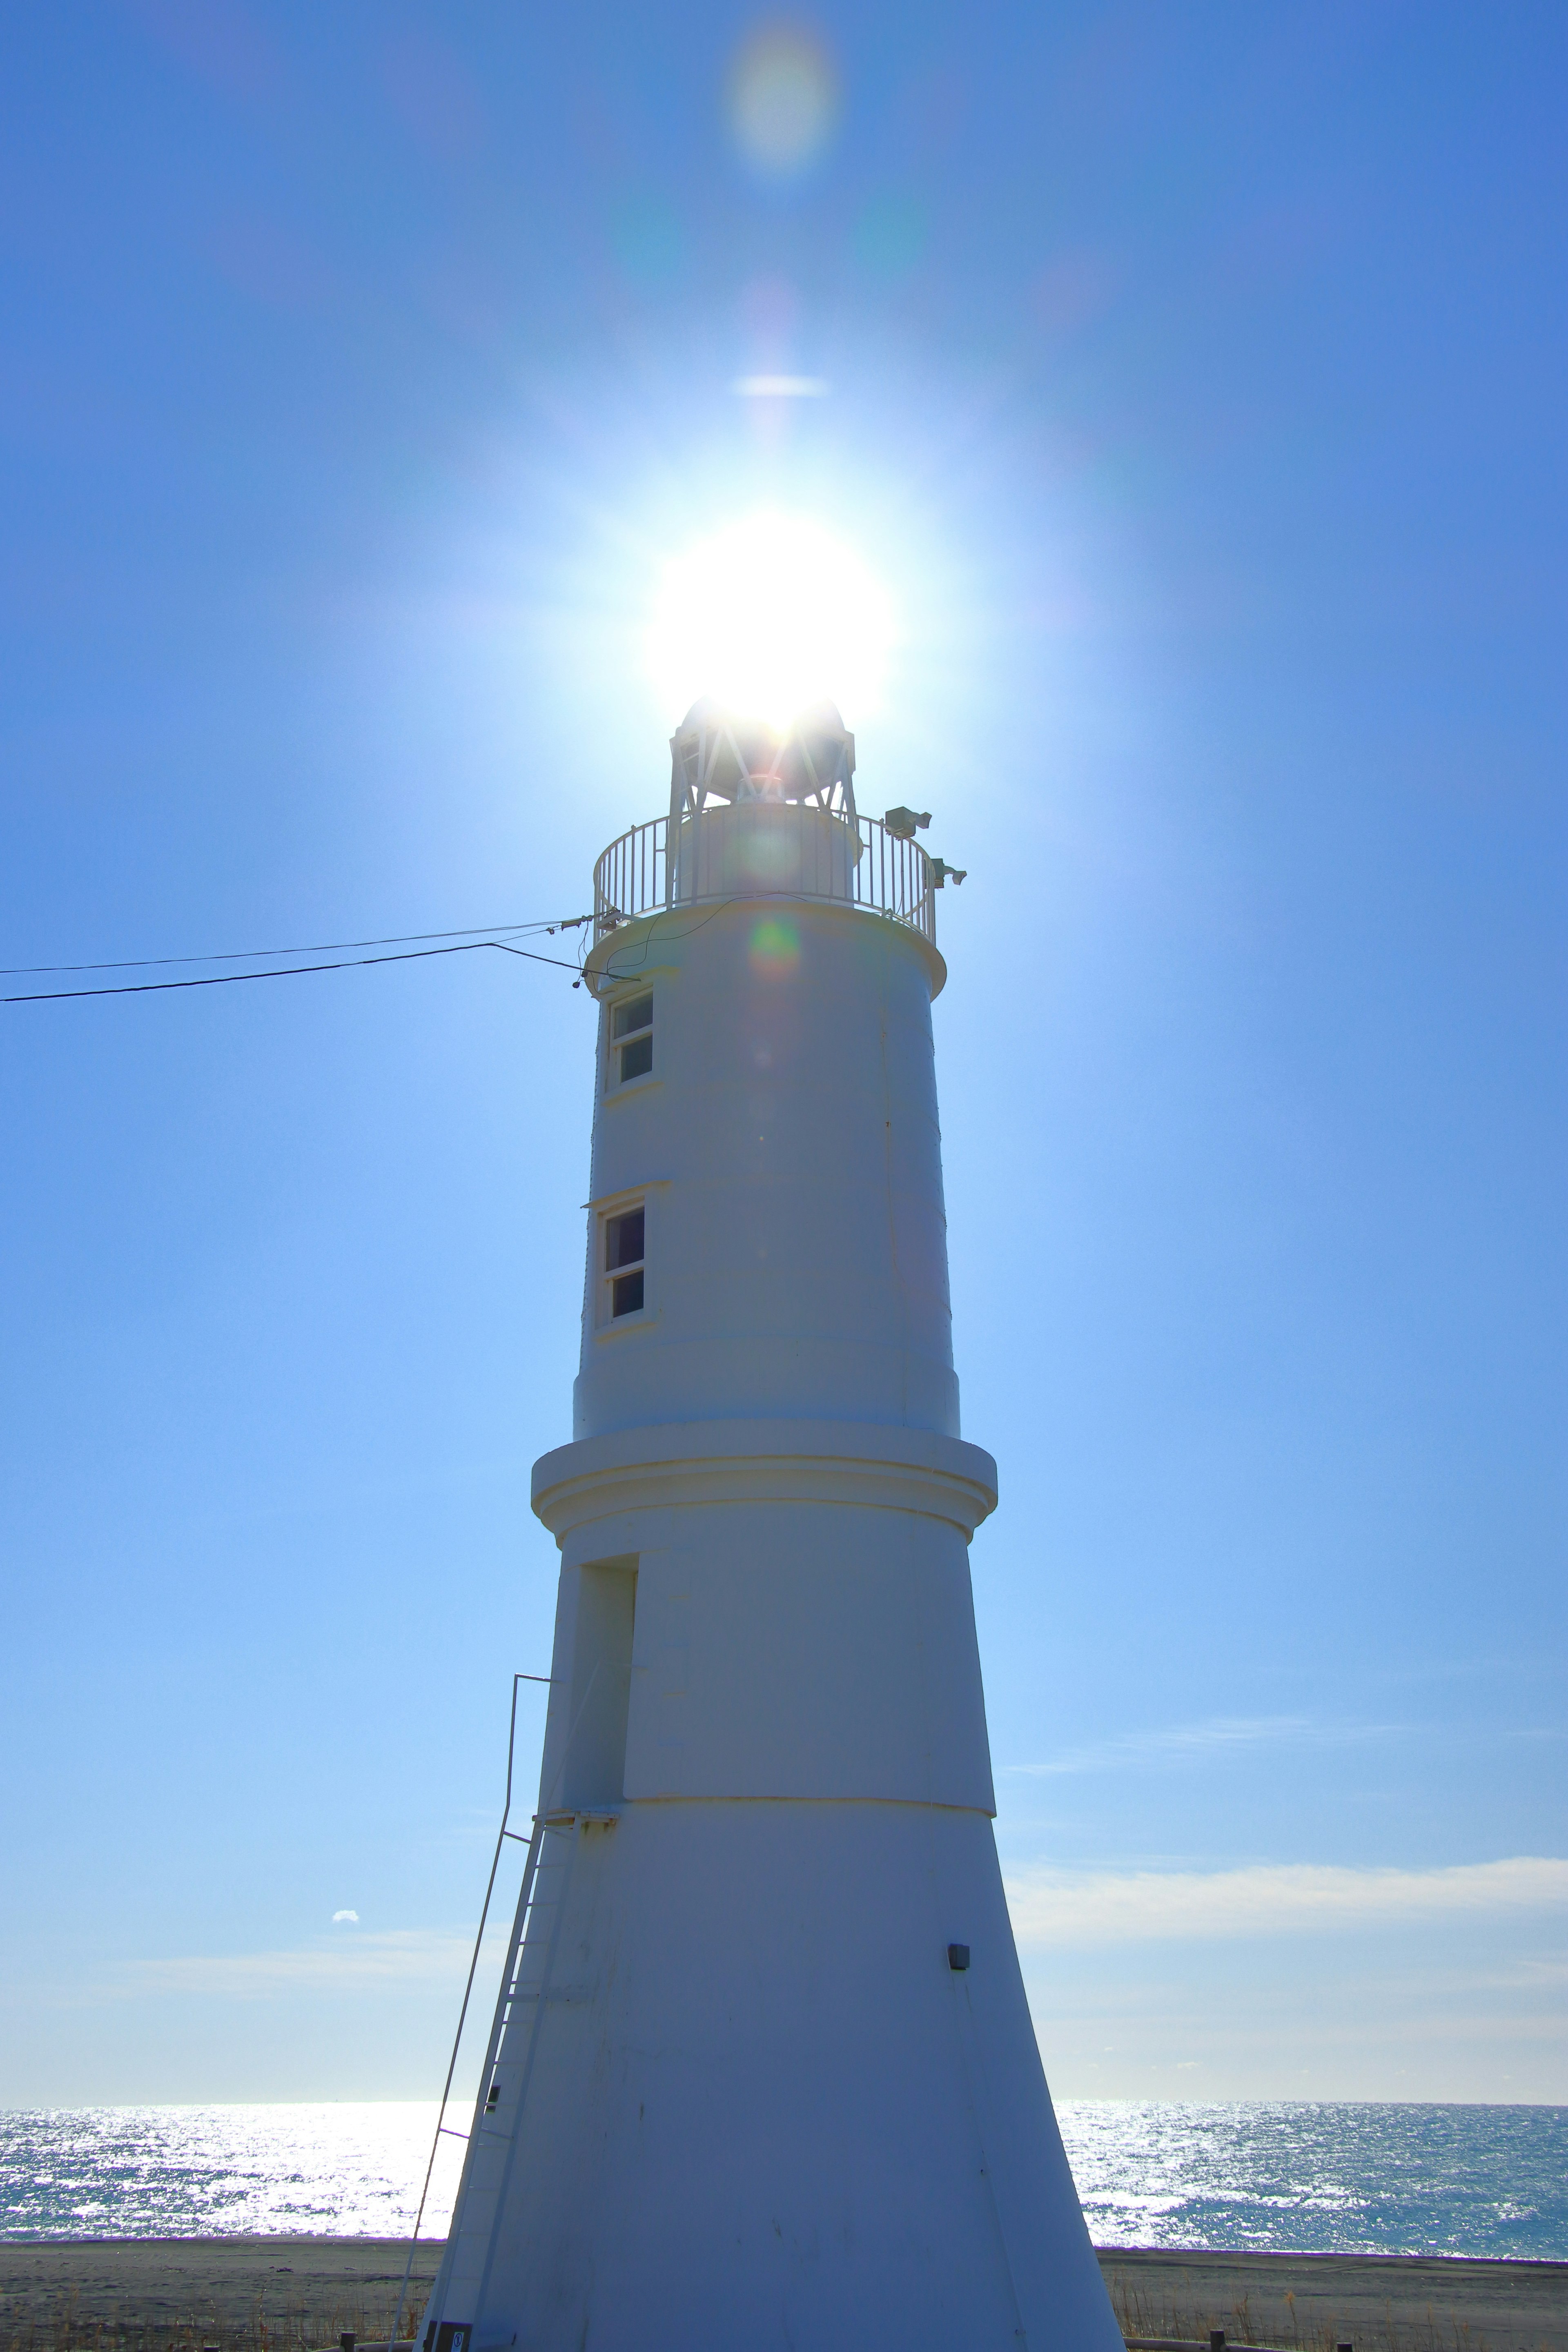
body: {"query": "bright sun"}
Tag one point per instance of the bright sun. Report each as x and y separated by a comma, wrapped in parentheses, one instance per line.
(771, 614)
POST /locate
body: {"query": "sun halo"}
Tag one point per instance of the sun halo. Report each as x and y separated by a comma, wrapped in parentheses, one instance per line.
(771, 616)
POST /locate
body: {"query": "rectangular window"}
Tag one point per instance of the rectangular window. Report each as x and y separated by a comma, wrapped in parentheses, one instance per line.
(631, 1038)
(623, 1261)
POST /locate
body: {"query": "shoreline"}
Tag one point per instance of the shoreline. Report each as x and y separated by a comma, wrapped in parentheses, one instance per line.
(288, 2293)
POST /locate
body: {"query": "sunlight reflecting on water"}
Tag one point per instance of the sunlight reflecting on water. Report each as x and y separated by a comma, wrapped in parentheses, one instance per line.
(338, 2170)
(1286, 2176)
(1330, 2178)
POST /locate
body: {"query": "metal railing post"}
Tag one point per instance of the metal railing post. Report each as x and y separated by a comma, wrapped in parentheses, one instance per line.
(645, 870)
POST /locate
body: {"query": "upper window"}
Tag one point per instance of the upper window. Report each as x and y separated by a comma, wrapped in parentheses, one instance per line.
(631, 1038)
(623, 1262)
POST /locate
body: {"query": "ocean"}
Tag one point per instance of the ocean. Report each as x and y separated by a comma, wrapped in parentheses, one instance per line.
(1268, 2176)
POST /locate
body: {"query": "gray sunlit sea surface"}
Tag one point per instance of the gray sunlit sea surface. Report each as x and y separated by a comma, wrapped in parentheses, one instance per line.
(1331, 2177)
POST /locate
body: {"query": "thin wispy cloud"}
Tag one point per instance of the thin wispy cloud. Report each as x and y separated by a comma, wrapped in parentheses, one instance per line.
(400, 1956)
(1058, 1910)
(1216, 1736)
(350, 1918)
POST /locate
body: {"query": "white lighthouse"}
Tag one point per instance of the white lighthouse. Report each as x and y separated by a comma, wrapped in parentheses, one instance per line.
(762, 2072)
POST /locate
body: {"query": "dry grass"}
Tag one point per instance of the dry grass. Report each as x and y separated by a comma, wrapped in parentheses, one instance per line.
(1140, 2313)
(281, 2324)
(277, 2325)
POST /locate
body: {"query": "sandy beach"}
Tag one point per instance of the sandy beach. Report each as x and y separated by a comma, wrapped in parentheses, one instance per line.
(281, 2294)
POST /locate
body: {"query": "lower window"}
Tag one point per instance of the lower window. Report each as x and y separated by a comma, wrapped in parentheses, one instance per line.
(625, 1261)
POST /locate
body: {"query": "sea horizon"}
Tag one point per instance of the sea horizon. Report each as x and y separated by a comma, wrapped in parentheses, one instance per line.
(1468, 2177)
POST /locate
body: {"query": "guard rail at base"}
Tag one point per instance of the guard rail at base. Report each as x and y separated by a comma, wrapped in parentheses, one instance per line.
(851, 861)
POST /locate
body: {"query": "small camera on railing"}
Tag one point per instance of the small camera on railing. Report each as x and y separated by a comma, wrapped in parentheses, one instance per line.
(904, 823)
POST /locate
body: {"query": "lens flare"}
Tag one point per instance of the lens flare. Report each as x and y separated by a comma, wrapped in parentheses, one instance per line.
(771, 616)
(774, 948)
(783, 100)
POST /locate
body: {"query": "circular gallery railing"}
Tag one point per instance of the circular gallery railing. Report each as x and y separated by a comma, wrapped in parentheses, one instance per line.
(764, 850)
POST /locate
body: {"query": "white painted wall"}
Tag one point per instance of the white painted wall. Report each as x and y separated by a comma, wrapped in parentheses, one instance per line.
(788, 1134)
(746, 2102)
(803, 1621)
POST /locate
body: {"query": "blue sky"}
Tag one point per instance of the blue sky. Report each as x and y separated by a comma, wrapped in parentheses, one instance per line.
(1195, 380)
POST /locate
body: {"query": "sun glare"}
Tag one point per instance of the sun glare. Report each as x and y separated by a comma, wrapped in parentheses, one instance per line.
(771, 616)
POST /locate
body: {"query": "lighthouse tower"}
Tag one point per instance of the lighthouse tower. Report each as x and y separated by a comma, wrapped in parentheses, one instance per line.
(762, 2072)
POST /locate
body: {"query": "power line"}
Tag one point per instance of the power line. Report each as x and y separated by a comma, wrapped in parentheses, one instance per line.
(279, 972)
(480, 933)
(630, 972)
(463, 943)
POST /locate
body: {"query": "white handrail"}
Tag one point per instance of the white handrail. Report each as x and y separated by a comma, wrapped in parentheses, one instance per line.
(851, 861)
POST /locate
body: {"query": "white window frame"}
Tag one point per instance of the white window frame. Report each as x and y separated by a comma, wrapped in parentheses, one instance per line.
(614, 1083)
(605, 1276)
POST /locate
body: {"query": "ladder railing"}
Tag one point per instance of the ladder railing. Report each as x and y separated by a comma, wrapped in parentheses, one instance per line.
(463, 2279)
(524, 2003)
(443, 2129)
(510, 2055)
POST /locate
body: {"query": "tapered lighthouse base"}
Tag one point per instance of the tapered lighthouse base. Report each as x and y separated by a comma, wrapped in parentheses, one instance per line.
(764, 2109)
(764, 2073)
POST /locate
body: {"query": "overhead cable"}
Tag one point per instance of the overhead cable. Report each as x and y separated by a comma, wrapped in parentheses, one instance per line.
(280, 971)
(479, 932)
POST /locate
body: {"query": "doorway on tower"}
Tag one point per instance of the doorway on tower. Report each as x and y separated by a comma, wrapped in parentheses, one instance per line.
(594, 1769)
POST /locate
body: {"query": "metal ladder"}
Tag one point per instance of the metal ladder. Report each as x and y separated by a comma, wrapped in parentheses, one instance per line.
(509, 2064)
(457, 2337)
(463, 2278)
